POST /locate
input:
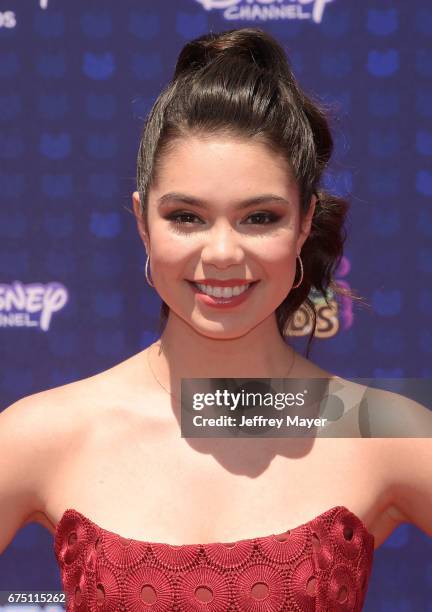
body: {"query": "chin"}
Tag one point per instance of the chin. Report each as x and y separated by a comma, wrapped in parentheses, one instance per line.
(213, 329)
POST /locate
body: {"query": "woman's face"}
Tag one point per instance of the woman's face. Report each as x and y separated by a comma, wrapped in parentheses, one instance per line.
(203, 230)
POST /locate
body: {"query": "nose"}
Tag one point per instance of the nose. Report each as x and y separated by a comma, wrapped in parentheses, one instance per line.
(222, 246)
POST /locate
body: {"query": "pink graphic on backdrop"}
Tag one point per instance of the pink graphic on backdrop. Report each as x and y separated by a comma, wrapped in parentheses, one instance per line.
(346, 306)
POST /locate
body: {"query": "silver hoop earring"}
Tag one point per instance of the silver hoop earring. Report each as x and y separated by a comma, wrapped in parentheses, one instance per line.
(147, 272)
(301, 273)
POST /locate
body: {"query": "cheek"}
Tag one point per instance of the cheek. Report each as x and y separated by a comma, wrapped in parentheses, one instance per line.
(168, 264)
(169, 251)
(277, 254)
(278, 263)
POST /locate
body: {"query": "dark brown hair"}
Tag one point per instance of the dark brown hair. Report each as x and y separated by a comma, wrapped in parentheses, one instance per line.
(239, 83)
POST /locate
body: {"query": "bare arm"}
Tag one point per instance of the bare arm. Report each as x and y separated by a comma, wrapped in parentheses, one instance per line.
(409, 462)
(24, 455)
(412, 492)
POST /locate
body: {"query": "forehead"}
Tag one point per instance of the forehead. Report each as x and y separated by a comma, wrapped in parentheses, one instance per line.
(225, 164)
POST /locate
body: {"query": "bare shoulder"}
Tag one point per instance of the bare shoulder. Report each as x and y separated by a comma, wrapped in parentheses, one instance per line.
(394, 415)
(38, 429)
(41, 423)
(53, 411)
(36, 420)
(58, 414)
(379, 413)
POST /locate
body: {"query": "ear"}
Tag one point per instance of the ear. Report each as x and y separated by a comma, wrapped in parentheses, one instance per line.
(306, 223)
(140, 221)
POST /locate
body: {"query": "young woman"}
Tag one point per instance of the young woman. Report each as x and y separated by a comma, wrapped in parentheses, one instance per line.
(237, 232)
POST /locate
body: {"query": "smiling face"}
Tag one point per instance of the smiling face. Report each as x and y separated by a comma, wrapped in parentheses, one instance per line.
(202, 225)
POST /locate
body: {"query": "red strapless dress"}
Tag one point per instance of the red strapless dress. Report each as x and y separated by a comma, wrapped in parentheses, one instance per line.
(323, 565)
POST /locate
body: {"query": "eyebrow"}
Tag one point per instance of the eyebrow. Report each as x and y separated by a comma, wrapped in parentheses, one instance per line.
(175, 196)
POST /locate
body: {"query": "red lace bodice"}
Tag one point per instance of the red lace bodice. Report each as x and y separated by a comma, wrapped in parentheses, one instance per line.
(323, 565)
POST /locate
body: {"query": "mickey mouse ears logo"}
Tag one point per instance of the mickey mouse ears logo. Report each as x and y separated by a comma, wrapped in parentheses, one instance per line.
(218, 4)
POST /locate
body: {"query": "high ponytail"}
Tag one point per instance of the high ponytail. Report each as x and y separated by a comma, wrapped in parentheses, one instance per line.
(240, 83)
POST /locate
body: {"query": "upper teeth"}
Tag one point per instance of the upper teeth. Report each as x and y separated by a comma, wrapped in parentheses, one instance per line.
(225, 292)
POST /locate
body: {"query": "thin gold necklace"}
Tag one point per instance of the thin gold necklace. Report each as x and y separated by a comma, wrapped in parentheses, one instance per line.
(154, 375)
(172, 395)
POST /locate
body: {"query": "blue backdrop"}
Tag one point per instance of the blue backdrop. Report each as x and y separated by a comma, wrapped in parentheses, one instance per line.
(76, 81)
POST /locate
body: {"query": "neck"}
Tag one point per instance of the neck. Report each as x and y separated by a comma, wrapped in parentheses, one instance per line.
(183, 352)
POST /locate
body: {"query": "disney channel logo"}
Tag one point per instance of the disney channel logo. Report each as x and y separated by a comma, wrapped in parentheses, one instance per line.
(31, 304)
(264, 10)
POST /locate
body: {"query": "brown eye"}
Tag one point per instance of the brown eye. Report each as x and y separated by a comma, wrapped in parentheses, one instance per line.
(271, 217)
(176, 216)
(185, 219)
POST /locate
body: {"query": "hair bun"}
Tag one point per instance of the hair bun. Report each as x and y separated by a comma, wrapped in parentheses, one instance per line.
(253, 45)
